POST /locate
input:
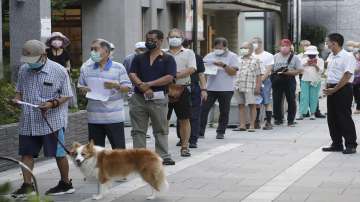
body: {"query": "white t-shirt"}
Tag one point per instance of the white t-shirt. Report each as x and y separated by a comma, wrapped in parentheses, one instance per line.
(310, 73)
(266, 59)
(338, 65)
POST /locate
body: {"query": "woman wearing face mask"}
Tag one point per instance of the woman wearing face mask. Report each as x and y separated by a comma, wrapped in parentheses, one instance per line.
(56, 51)
(313, 66)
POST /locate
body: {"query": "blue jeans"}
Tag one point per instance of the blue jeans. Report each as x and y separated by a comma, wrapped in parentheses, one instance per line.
(309, 96)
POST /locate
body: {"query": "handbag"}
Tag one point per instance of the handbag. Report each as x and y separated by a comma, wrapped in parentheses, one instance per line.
(280, 79)
(174, 92)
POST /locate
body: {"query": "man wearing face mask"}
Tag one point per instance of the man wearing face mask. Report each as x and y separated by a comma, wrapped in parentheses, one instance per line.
(220, 86)
(339, 91)
(105, 118)
(181, 103)
(286, 67)
(151, 73)
(247, 85)
(139, 49)
(45, 83)
(266, 63)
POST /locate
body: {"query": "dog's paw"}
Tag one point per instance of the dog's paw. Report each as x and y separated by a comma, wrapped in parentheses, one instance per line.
(97, 197)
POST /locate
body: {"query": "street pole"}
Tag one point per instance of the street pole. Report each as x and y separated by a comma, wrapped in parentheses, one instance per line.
(195, 26)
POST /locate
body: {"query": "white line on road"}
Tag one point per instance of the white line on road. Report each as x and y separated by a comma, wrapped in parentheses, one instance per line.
(123, 189)
(280, 183)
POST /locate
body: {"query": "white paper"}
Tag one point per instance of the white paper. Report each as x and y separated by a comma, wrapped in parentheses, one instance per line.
(98, 90)
(210, 69)
(26, 103)
(45, 28)
(159, 95)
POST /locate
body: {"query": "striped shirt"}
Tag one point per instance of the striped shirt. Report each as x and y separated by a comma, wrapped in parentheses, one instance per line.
(111, 111)
(52, 81)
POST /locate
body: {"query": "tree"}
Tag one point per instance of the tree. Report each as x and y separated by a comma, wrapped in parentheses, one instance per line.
(314, 33)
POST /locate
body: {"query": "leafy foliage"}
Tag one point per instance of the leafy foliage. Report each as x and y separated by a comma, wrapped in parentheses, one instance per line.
(9, 113)
(314, 33)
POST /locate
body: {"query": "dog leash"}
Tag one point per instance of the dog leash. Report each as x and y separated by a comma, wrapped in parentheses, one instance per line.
(43, 114)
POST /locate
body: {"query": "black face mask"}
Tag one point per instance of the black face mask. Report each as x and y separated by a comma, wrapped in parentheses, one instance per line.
(150, 45)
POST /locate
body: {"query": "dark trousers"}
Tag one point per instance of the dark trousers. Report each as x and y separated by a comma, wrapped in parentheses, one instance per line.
(288, 89)
(114, 132)
(195, 115)
(224, 99)
(357, 95)
(340, 122)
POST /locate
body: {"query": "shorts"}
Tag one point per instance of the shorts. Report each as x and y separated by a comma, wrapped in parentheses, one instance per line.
(245, 98)
(113, 131)
(266, 92)
(31, 145)
(182, 107)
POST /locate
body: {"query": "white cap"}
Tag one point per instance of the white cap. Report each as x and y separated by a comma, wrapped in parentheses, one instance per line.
(311, 50)
(140, 44)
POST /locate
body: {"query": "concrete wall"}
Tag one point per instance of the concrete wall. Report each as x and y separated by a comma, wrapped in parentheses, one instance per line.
(226, 25)
(9, 138)
(337, 16)
(25, 21)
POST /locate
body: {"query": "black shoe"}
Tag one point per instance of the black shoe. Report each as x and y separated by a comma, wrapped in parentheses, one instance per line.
(61, 188)
(24, 191)
(220, 136)
(193, 145)
(278, 122)
(292, 124)
(268, 126)
(168, 162)
(333, 149)
(178, 144)
(257, 124)
(320, 115)
(349, 150)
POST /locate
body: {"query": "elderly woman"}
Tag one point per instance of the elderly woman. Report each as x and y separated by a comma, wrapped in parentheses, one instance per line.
(313, 66)
(247, 85)
(56, 51)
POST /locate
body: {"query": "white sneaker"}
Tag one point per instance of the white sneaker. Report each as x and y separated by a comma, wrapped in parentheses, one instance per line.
(312, 117)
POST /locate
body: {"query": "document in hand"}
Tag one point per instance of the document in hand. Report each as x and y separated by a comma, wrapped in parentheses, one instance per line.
(98, 90)
(159, 95)
(26, 103)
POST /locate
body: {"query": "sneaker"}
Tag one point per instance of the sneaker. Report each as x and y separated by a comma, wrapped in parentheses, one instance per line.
(300, 118)
(185, 152)
(257, 124)
(333, 149)
(268, 126)
(168, 162)
(313, 117)
(320, 115)
(24, 191)
(349, 150)
(60, 189)
(220, 136)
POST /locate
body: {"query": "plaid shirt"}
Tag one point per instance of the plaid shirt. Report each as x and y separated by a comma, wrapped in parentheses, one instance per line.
(52, 81)
(246, 76)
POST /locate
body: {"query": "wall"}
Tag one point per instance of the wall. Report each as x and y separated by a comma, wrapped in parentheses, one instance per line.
(9, 138)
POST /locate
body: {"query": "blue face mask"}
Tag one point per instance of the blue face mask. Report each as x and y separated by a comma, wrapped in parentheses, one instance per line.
(36, 65)
(95, 56)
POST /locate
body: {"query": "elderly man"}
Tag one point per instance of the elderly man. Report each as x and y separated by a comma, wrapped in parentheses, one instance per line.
(286, 67)
(105, 116)
(219, 86)
(151, 73)
(266, 63)
(341, 65)
(139, 49)
(247, 85)
(181, 100)
(45, 83)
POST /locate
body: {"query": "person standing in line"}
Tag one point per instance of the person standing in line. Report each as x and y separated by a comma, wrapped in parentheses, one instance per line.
(356, 82)
(339, 91)
(139, 49)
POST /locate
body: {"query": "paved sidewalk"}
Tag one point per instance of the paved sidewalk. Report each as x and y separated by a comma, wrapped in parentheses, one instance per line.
(284, 164)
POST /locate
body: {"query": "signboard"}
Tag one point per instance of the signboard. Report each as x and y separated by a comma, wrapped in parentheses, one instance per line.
(189, 19)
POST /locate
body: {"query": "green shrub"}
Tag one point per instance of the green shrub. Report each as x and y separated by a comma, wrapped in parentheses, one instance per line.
(314, 33)
(9, 113)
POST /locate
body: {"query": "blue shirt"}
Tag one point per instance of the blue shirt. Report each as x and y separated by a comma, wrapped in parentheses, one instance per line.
(111, 111)
(52, 81)
(163, 65)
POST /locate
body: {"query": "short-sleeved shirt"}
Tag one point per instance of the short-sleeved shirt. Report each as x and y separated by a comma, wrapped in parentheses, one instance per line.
(51, 82)
(246, 76)
(338, 65)
(200, 68)
(112, 110)
(62, 59)
(163, 65)
(310, 72)
(281, 61)
(222, 81)
(128, 60)
(184, 58)
(266, 59)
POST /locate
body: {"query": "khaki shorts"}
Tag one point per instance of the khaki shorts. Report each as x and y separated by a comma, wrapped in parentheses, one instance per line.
(245, 98)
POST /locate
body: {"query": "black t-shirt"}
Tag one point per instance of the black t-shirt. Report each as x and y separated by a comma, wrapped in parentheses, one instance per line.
(200, 68)
(61, 59)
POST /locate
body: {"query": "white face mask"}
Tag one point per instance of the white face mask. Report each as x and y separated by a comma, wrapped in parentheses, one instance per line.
(243, 51)
(219, 51)
(255, 45)
(175, 41)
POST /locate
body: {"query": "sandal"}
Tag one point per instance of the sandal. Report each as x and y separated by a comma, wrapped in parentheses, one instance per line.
(184, 152)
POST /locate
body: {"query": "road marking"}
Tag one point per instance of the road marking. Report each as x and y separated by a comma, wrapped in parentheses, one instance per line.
(281, 182)
(125, 188)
